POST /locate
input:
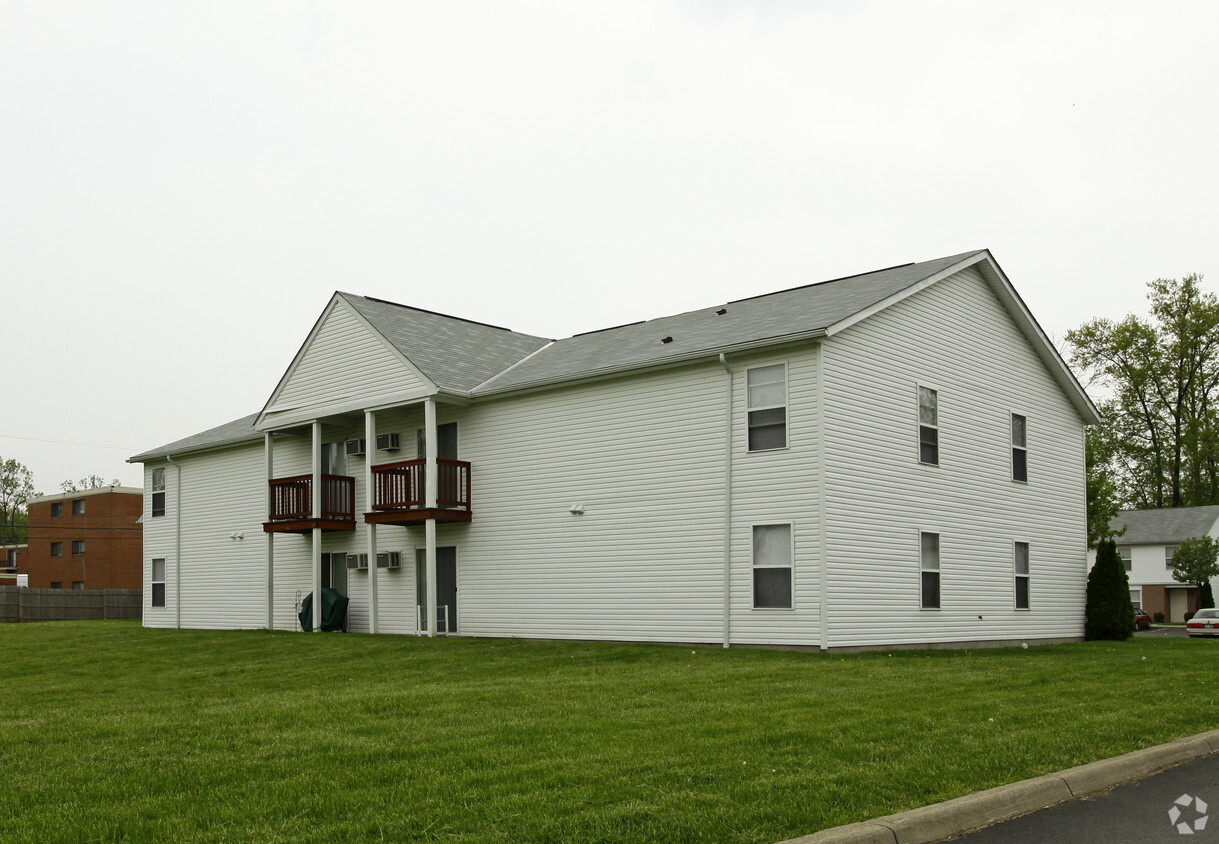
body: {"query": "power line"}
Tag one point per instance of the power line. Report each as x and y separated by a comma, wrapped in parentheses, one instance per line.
(69, 442)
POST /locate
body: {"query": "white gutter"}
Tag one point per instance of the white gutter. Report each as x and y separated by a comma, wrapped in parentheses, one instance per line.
(177, 547)
(727, 505)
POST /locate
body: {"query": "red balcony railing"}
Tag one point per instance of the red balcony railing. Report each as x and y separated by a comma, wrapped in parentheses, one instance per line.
(292, 498)
(401, 486)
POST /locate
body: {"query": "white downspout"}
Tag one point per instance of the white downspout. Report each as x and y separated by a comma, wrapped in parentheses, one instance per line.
(177, 546)
(727, 505)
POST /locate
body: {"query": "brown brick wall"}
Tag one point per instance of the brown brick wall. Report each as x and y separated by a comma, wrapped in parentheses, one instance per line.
(114, 544)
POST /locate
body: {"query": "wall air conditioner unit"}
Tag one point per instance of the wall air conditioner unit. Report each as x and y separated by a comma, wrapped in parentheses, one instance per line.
(357, 561)
(389, 560)
(356, 447)
(388, 442)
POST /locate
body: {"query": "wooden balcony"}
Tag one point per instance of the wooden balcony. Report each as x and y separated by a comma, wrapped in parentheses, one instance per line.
(292, 504)
(399, 496)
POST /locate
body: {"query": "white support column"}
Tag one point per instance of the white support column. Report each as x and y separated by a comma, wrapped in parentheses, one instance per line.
(317, 532)
(430, 565)
(269, 454)
(431, 483)
(370, 435)
(431, 489)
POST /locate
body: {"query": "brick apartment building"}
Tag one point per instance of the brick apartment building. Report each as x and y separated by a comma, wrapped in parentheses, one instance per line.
(86, 540)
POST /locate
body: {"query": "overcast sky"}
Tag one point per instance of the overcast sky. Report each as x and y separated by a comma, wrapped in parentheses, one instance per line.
(183, 185)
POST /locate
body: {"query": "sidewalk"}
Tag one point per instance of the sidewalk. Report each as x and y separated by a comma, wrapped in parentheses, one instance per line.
(935, 823)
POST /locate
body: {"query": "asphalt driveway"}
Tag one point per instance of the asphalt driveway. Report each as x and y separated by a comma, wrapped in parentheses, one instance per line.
(1163, 632)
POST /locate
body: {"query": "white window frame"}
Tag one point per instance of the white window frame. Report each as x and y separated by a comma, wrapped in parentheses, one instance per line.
(1021, 448)
(1026, 575)
(1127, 557)
(1170, 551)
(752, 408)
(790, 566)
(158, 488)
(154, 582)
(933, 426)
(937, 570)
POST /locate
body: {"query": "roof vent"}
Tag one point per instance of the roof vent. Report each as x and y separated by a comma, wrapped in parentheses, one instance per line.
(721, 312)
(666, 339)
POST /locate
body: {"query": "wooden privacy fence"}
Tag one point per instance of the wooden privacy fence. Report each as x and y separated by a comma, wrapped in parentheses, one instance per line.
(18, 603)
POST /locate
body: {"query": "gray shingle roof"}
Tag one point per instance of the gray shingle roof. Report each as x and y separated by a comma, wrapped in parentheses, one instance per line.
(1166, 526)
(478, 359)
(454, 353)
(230, 433)
(761, 318)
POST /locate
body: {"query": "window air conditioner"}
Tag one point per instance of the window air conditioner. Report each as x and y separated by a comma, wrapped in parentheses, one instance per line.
(389, 560)
(356, 447)
(357, 561)
(388, 442)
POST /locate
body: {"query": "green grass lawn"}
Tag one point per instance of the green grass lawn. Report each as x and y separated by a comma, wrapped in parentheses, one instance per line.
(109, 732)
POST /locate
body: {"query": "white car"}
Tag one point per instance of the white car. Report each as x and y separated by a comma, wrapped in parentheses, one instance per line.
(1204, 623)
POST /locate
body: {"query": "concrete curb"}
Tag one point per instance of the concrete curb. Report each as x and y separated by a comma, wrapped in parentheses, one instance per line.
(933, 823)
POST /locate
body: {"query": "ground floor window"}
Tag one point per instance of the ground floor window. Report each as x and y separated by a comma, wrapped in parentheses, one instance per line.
(158, 582)
(78, 584)
(1022, 575)
(930, 571)
(772, 566)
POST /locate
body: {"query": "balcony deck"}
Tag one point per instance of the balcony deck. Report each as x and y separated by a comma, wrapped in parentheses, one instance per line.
(292, 504)
(399, 495)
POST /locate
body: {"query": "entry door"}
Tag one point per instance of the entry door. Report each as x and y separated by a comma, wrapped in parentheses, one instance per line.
(334, 572)
(446, 441)
(446, 588)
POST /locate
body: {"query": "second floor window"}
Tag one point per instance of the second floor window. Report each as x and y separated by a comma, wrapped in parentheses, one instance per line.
(56, 549)
(928, 426)
(1020, 452)
(1124, 553)
(78, 507)
(1170, 551)
(158, 491)
(56, 509)
(78, 547)
(767, 389)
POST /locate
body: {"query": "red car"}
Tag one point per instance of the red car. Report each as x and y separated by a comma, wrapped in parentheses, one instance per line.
(1142, 621)
(1204, 623)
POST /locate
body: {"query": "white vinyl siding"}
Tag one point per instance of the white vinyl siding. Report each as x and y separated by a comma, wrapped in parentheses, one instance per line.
(645, 560)
(345, 366)
(957, 338)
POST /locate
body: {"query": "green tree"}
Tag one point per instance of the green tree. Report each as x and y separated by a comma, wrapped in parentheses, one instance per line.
(1103, 503)
(1195, 562)
(1108, 613)
(1163, 378)
(16, 488)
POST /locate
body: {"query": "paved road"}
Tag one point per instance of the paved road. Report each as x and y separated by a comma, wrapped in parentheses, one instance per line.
(1138, 811)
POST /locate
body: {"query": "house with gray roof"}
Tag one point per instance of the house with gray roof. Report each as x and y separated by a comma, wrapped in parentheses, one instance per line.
(1147, 541)
(784, 469)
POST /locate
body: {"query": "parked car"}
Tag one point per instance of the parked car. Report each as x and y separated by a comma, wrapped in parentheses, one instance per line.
(1204, 623)
(1142, 621)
